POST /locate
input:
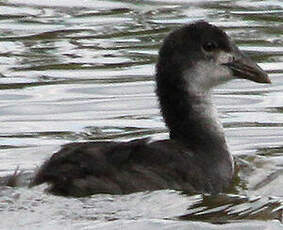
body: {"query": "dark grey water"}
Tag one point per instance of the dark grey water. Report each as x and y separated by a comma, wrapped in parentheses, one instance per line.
(83, 70)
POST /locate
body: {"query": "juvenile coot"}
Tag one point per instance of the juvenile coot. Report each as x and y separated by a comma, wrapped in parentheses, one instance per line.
(192, 60)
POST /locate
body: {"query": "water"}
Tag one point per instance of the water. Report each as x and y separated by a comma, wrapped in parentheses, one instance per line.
(79, 71)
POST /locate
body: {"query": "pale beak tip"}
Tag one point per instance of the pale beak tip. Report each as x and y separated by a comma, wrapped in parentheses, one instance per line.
(265, 79)
(268, 81)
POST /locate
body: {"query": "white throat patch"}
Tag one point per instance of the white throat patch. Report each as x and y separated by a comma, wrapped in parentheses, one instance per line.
(208, 74)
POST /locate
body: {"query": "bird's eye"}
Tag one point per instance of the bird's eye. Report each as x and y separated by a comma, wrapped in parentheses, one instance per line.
(209, 46)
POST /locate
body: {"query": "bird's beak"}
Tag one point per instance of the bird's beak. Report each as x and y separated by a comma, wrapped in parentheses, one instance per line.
(243, 67)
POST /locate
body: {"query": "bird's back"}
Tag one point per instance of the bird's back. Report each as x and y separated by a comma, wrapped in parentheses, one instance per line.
(81, 169)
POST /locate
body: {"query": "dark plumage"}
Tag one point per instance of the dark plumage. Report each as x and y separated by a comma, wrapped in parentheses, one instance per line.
(192, 60)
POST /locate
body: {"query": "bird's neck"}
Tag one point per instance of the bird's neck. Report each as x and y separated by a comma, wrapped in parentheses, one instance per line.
(192, 120)
(190, 115)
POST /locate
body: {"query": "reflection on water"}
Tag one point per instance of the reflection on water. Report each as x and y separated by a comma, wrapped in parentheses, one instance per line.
(72, 71)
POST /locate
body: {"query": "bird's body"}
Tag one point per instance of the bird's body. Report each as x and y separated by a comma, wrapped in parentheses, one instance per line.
(81, 169)
(196, 158)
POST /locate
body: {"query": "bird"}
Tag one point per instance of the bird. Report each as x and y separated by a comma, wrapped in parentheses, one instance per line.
(192, 60)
